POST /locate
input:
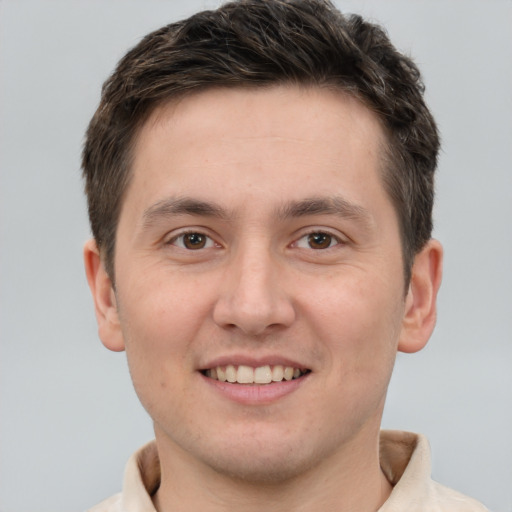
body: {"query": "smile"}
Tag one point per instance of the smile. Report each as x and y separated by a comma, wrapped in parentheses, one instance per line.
(243, 374)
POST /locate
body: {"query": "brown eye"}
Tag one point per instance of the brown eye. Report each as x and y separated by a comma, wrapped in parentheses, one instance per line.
(194, 241)
(319, 240)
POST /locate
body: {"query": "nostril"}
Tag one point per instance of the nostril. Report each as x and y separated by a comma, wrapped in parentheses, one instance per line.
(254, 320)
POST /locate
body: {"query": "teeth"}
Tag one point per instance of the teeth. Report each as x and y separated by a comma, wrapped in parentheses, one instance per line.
(277, 373)
(288, 373)
(231, 373)
(263, 375)
(221, 374)
(247, 375)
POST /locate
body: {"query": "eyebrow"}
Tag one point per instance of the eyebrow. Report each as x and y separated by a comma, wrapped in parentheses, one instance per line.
(181, 206)
(294, 209)
(326, 206)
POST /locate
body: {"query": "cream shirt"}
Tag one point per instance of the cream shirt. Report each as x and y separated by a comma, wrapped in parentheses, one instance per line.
(404, 458)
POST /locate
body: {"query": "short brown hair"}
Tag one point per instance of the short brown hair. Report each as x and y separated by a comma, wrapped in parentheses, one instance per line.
(253, 43)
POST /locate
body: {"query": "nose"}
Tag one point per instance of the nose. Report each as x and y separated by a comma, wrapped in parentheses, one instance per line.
(252, 297)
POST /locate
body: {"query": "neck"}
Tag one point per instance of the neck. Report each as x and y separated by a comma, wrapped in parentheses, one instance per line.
(348, 481)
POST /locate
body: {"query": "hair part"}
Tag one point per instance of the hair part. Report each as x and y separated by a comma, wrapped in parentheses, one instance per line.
(258, 43)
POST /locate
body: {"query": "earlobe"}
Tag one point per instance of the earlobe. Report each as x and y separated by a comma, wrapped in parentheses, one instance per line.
(100, 284)
(420, 304)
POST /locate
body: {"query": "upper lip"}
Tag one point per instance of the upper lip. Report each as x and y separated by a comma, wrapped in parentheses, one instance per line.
(254, 362)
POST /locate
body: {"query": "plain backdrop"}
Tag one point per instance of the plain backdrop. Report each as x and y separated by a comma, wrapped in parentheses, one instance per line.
(69, 418)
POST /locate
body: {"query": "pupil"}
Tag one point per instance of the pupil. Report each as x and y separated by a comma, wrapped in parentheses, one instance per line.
(194, 241)
(319, 240)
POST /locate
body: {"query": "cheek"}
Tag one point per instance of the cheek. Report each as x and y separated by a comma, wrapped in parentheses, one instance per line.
(162, 307)
(360, 321)
(160, 320)
(156, 338)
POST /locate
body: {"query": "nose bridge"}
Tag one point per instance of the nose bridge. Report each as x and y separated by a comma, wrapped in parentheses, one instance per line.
(256, 269)
(252, 297)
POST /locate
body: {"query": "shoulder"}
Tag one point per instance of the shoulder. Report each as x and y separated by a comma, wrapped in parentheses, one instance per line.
(141, 479)
(112, 504)
(405, 460)
(453, 501)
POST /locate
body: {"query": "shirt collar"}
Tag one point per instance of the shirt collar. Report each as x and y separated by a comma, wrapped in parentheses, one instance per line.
(404, 459)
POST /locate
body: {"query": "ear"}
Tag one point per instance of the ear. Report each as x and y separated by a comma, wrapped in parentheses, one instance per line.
(109, 328)
(420, 304)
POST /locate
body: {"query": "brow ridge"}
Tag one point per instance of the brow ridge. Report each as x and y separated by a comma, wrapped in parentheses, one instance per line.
(293, 209)
(324, 206)
(182, 206)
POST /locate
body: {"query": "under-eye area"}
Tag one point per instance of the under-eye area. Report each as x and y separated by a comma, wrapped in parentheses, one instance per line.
(243, 374)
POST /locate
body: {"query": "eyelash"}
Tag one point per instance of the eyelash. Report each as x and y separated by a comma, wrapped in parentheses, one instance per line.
(209, 242)
(332, 238)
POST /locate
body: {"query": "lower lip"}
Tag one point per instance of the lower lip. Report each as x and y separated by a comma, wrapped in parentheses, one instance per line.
(256, 394)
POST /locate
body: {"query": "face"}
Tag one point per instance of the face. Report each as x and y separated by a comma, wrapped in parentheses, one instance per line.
(259, 279)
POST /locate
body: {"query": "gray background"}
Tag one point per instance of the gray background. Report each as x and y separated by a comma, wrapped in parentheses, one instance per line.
(68, 415)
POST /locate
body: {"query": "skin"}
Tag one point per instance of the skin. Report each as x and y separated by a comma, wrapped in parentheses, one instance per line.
(262, 290)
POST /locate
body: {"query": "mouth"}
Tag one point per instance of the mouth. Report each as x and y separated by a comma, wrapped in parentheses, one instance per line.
(261, 375)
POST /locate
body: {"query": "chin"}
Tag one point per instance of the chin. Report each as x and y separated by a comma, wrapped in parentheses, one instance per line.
(262, 469)
(263, 460)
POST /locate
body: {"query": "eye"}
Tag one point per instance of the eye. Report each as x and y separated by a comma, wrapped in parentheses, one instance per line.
(317, 240)
(192, 241)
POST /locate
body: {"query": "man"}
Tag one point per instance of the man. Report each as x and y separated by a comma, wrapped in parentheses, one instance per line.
(260, 188)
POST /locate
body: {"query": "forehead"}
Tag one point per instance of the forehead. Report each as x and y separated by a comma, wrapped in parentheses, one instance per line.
(255, 137)
(317, 111)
